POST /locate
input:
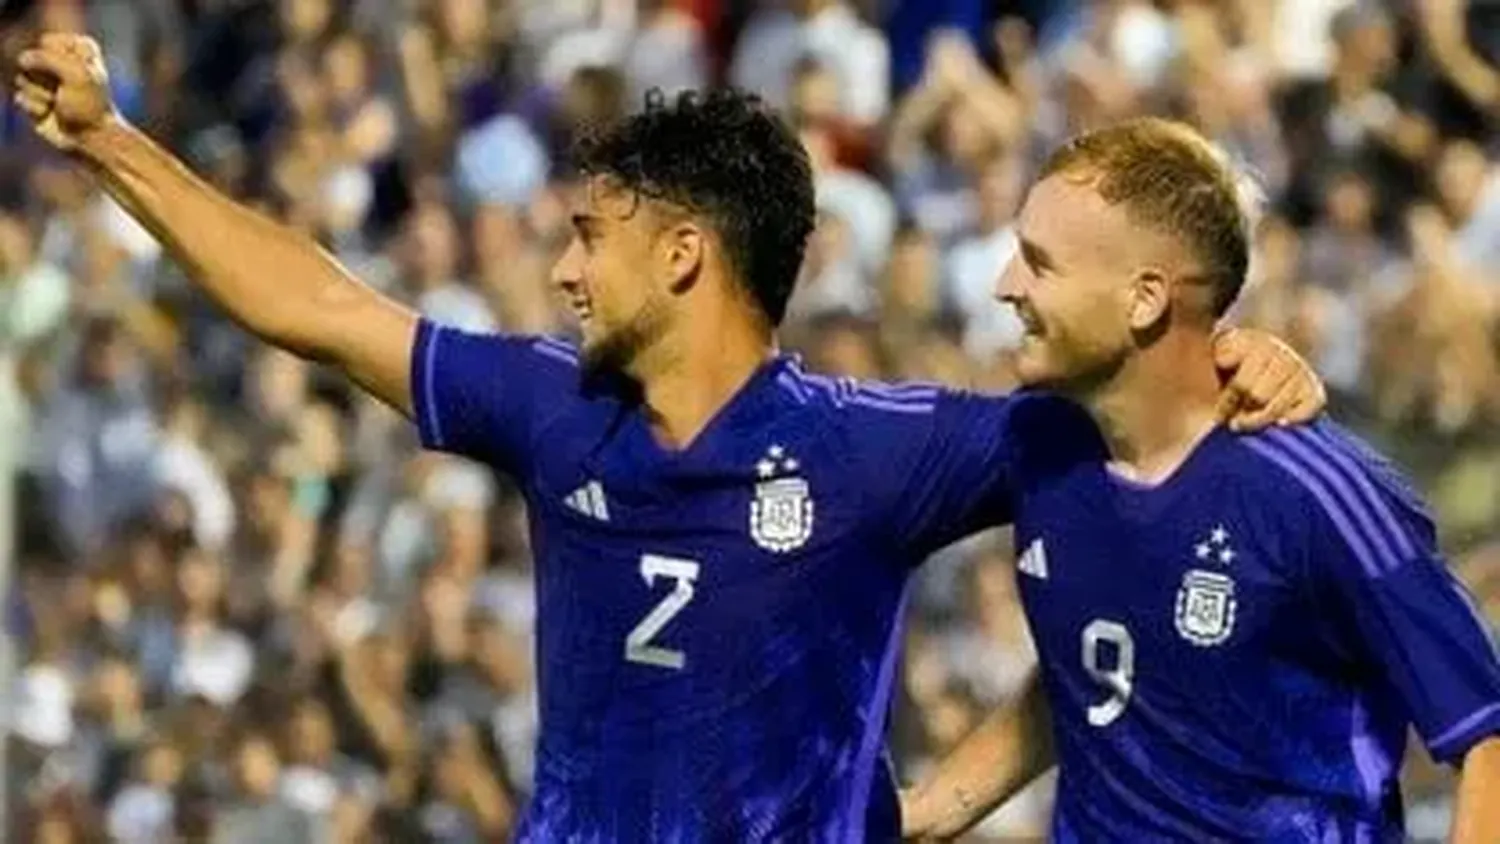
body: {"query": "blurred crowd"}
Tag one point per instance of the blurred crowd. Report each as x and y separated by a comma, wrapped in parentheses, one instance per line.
(248, 608)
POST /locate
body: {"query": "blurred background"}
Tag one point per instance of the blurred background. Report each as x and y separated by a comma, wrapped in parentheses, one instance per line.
(245, 607)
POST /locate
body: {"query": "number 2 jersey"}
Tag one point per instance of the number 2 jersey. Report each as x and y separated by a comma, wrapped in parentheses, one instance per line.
(717, 627)
(1237, 653)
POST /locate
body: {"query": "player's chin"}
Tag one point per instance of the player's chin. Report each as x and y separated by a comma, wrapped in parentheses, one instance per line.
(590, 348)
(593, 359)
(600, 353)
(1035, 365)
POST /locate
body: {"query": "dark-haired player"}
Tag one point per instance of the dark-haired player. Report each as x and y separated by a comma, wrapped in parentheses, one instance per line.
(722, 539)
(1234, 632)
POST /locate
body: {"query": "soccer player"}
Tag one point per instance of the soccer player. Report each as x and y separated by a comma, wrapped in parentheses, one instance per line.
(1234, 632)
(723, 540)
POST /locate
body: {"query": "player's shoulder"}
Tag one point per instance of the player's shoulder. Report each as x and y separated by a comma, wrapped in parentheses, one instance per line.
(544, 363)
(905, 405)
(1322, 467)
(543, 350)
(538, 372)
(890, 418)
(1324, 455)
(860, 403)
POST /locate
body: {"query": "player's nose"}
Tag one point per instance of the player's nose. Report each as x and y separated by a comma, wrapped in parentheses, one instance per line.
(1008, 287)
(567, 271)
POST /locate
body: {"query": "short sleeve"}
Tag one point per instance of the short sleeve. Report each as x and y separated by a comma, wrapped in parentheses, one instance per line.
(951, 472)
(1419, 625)
(1373, 556)
(486, 396)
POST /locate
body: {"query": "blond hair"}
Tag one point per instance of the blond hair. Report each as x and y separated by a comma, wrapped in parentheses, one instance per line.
(1171, 180)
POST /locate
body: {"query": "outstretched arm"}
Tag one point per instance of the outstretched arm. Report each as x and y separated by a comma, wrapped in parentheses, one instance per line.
(277, 283)
(1012, 747)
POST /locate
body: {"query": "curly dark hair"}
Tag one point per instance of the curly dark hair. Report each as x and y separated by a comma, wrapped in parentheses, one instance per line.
(727, 157)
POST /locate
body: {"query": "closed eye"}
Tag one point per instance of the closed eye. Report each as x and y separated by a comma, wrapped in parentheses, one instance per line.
(586, 227)
(1036, 258)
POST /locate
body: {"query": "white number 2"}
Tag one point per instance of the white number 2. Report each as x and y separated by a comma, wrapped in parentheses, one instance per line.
(638, 646)
(1118, 680)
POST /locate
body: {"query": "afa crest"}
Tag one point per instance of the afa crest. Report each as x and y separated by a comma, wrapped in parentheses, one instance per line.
(781, 516)
(1205, 607)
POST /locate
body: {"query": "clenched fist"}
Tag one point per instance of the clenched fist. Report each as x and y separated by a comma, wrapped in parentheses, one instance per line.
(64, 88)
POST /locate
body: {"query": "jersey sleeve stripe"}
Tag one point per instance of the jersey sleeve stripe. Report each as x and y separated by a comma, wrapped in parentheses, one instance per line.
(559, 356)
(1370, 516)
(827, 386)
(557, 344)
(434, 423)
(789, 383)
(921, 392)
(824, 386)
(1335, 511)
(844, 392)
(556, 349)
(914, 408)
(1463, 728)
(1342, 462)
(1392, 482)
(1372, 763)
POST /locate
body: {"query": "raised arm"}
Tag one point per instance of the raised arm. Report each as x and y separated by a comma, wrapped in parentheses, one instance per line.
(277, 283)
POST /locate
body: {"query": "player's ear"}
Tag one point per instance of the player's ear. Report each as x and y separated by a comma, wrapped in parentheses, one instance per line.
(683, 245)
(1150, 297)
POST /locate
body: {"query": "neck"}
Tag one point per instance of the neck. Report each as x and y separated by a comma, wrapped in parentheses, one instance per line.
(1158, 407)
(693, 373)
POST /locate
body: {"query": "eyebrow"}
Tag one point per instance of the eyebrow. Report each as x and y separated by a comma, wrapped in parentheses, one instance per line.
(1035, 255)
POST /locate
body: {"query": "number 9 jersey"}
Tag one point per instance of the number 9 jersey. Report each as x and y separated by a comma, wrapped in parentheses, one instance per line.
(1238, 652)
(717, 626)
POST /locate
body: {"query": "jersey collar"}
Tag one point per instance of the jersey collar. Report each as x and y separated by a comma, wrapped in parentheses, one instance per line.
(757, 402)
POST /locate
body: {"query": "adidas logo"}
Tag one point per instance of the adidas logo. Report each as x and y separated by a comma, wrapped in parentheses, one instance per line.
(1034, 560)
(589, 500)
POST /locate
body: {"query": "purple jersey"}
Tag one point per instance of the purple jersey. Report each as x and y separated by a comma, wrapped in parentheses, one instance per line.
(717, 627)
(1238, 653)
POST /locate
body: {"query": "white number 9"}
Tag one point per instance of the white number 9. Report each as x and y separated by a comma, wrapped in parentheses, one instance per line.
(1117, 680)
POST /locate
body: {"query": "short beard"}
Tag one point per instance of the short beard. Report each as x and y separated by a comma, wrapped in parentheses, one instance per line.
(619, 354)
(1083, 380)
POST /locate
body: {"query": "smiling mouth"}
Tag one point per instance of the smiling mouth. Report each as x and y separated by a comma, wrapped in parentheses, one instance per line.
(580, 302)
(1029, 322)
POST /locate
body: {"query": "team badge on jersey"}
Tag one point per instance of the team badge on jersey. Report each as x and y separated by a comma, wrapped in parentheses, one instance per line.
(1205, 600)
(1205, 607)
(781, 516)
